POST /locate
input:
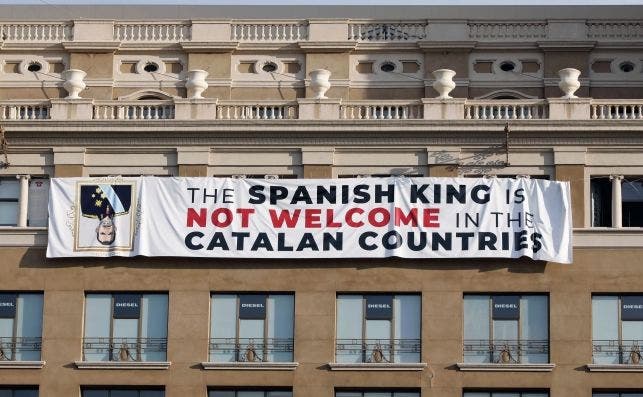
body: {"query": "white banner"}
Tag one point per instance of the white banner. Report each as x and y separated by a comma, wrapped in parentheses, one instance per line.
(311, 218)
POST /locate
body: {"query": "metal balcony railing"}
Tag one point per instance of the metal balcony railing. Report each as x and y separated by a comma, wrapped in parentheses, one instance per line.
(621, 351)
(12, 349)
(377, 350)
(504, 351)
(124, 349)
(251, 349)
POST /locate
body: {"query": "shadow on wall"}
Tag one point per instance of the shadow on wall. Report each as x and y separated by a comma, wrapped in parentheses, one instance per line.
(34, 258)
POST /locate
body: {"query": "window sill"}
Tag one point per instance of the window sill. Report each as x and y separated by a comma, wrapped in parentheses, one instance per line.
(285, 366)
(21, 364)
(608, 237)
(14, 236)
(123, 364)
(506, 367)
(615, 367)
(377, 366)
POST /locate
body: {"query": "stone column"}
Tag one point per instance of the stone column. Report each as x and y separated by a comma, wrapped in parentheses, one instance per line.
(617, 204)
(24, 200)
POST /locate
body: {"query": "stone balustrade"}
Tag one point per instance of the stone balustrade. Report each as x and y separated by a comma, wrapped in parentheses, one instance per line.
(474, 110)
(317, 30)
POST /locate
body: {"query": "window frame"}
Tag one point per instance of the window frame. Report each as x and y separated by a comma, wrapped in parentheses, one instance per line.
(519, 341)
(264, 390)
(365, 390)
(288, 345)
(392, 340)
(36, 342)
(521, 392)
(620, 341)
(110, 389)
(114, 351)
(11, 199)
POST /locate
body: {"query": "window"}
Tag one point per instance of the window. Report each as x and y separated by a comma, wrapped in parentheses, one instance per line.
(123, 392)
(9, 197)
(505, 393)
(617, 394)
(506, 329)
(249, 393)
(377, 393)
(18, 391)
(378, 328)
(38, 202)
(631, 202)
(20, 326)
(125, 327)
(617, 329)
(252, 328)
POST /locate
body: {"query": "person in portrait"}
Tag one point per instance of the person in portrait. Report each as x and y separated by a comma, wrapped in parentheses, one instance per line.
(104, 202)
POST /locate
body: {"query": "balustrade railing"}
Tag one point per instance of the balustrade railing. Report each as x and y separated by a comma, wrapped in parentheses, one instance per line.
(506, 351)
(618, 351)
(507, 30)
(381, 110)
(378, 350)
(396, 31)
(152, 32)
(19, 348)
(256, 110)
(124, 349)
(617, 109)
(506, 110)
(37, 31)
(266, 31)
(22, 110)
(133, 110)
(252, 349)
(613, 30)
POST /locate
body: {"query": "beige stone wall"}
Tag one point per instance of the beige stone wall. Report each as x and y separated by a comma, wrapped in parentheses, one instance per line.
(315, 284)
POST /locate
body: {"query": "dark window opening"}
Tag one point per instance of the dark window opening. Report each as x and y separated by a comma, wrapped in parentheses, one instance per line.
(387, 67)
(601, 202)
(269, 67)
(632, 201)
(151, 67)
(34, 67)
(626, 67)
(507, 66)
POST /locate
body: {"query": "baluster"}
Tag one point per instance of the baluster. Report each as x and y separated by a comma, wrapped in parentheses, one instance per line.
(640, 112)
(476, 110)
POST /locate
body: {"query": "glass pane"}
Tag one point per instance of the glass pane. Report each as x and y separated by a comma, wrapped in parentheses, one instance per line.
(476, 329)
(95, 393)
(475, 394)
(348, 394)
(29, 326)
(505, 339)
(223, 319)
(535, 394)
(249, 393)
(8, 213)
(280, 317)
(406, 394)
(407, 309)
(251, 340)
(154, 326)
(377, 394)
(279, 393)
(504, 394)
(378, 341)
(38, 200)
(6, 338)
(605, 329)
(221, 393)
(349, 328)
(9, 188)
(152, 393)
(125, 331)
(5, 393)
(123, 393)
(632, 195)
(97, 326)
(605, 395)
(25, 393)
(534, 328)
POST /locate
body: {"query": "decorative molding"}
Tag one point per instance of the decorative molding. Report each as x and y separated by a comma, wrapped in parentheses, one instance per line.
(490, 367)
(615, 368)
(251, 366)
(377, 366)
(155, 365)
(22, 364)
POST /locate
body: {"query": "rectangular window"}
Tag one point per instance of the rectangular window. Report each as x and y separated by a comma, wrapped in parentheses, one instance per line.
(378, 328)
(125, 327)
(9, 198)
(505, 393)
(377, 393)
(252, 327)
(617, 329)
(20, 326)
(249, 393)
(506, 329)
(38, 202)
(631, 201)
(118, 392)
(21, 391)
(617, 394)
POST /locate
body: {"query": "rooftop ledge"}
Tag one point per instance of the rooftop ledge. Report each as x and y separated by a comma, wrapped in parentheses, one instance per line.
(123, 364)
(253, 366)
(377, 366)
(21, 364)
(484, 367)
(615, 367)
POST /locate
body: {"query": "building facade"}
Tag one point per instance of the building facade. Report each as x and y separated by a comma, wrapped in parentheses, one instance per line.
(323, 327)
